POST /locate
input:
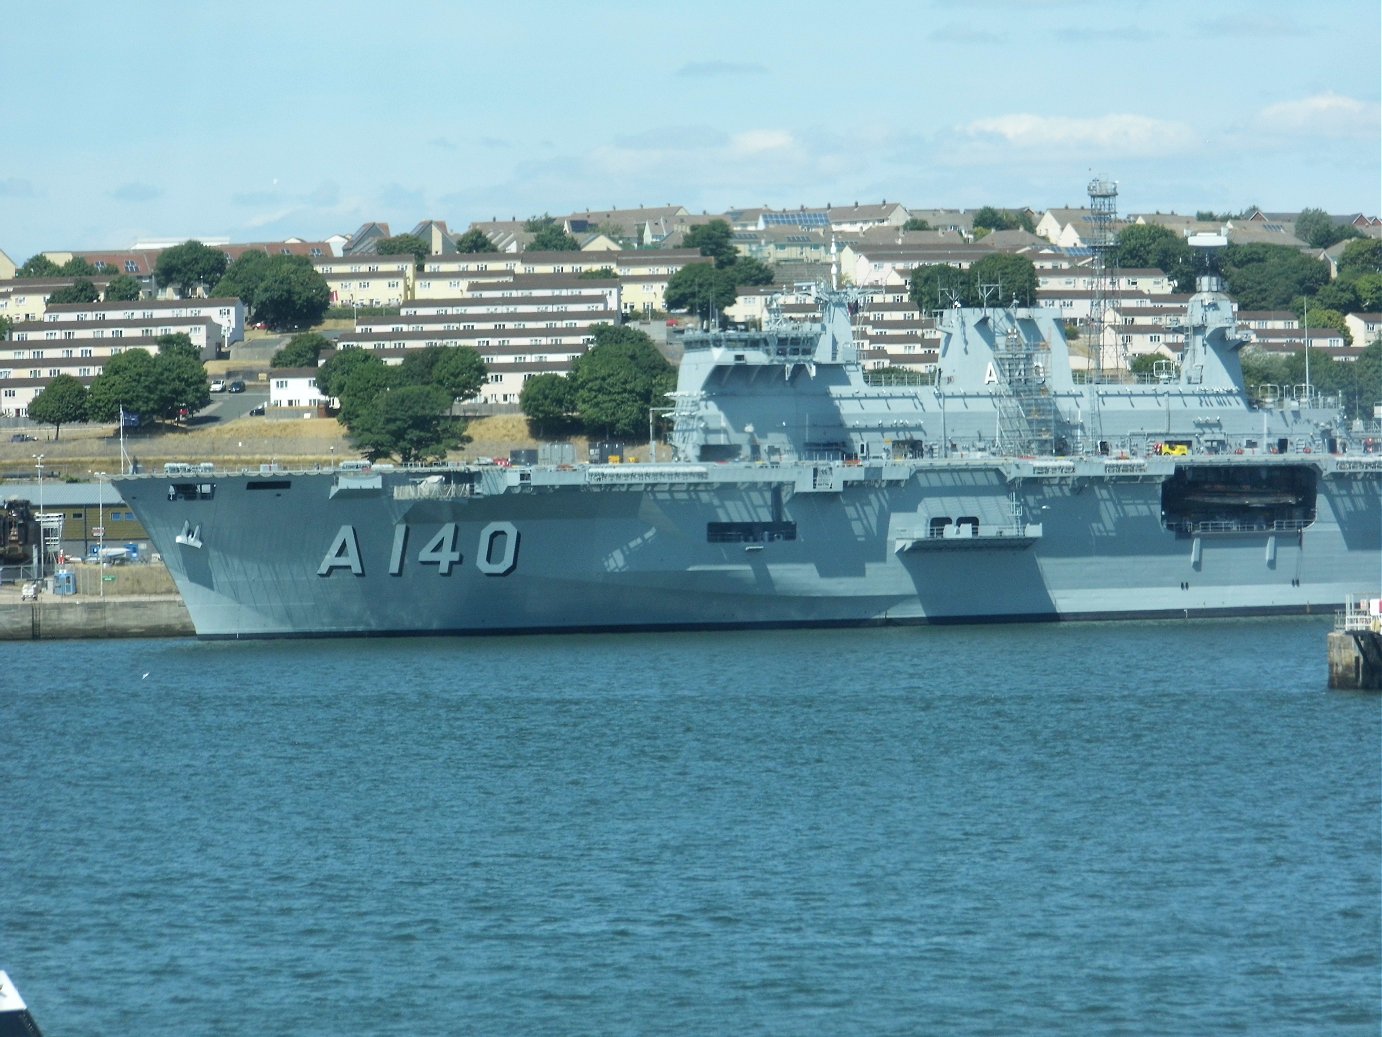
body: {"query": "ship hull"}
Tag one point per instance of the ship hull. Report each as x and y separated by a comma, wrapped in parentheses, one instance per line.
(292, 554)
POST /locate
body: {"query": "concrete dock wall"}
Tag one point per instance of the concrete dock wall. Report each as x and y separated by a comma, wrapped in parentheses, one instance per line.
(161, 616)
(1355, 660)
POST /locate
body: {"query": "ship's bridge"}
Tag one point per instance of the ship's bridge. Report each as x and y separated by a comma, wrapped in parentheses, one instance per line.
(793, 344)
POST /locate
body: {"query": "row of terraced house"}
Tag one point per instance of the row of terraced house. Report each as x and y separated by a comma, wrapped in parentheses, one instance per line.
(531, 312)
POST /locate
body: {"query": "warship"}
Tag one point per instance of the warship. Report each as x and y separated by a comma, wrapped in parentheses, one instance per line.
(801, 494)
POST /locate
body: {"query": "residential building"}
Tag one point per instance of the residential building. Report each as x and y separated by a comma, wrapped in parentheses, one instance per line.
(294, 388)
(1365, 328)
(26, 298)
(27, 364)
(155, 315)
(366, 279)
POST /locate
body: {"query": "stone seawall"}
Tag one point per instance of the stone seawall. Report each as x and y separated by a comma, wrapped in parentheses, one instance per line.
(48, 619)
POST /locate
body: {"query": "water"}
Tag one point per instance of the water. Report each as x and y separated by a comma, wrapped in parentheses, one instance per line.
(1099, 829)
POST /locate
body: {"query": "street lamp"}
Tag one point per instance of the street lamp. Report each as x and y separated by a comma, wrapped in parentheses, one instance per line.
(652, 441)
(101, 530)
(42, 531)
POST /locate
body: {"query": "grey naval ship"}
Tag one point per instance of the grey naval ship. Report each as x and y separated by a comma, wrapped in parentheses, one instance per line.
(800, 494)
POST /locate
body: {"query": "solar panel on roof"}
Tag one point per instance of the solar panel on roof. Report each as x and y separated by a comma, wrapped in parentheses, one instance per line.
(795, 219)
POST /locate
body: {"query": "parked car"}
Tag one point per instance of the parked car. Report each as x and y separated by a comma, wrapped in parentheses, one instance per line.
(258, 408)
(21, 437)
(218, 385)
(237, 386)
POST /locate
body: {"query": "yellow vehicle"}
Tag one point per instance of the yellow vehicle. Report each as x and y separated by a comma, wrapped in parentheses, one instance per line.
(1173, 449)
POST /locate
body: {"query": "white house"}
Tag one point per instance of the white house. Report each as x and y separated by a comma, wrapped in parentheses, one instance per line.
(294, 388)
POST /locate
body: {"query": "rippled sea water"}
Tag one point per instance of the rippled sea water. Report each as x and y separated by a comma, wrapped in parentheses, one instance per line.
(1132, 828)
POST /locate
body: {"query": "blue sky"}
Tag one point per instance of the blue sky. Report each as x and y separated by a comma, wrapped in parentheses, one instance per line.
(260, 120)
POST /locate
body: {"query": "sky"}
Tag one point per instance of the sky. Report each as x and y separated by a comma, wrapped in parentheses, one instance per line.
(258, 121)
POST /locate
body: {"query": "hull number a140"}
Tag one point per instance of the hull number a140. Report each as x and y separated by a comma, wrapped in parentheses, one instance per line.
(496, 554)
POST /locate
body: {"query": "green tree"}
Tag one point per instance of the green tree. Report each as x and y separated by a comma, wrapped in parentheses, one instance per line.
(80, 290)
(475, 240)
(714, 239)
(244, 278)
(190, 265)
(1327, 375)
(1364, 388)
(5, 325)
(1151, 246)
(938, 286)
(988, 219)
(333, 374)
(916, 223)
(1361, 257)
(1368, 287)
(128, 383)
(39, 266)
(699, 288)
(747, 270)
(403, 245)
(153, 386)
(1260, 369)
(1338, 295)
(460, 372)
(291, 293)
(77, 266)
(1014, 275)
(551, 238)
(604, 273)
(549, 403)
(1318, 229)
(62, 402)
(363, 385)
(1144, 364)
(410, 422)
(1323, 317)
(1271, 277)
(180, 369)
(178, 343)
(618, 380)
(302, 350)
(122, 288)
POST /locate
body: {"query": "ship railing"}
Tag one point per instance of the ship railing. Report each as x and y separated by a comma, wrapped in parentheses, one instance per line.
(1235, 526)
(644, 473)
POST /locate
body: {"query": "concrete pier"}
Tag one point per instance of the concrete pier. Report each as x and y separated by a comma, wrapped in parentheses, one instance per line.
(54, 618)
(1355, 647)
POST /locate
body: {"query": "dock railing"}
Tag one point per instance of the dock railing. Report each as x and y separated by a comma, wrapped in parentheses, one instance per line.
(1360, 615)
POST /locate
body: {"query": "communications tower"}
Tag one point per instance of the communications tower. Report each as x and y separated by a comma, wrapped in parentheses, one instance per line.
(1103, 244)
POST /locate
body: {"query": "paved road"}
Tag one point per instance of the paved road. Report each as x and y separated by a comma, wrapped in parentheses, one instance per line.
(229, 405)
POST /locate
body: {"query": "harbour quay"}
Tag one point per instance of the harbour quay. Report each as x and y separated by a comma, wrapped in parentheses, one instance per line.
(1355, 647)
(91, 600)
(56, 617)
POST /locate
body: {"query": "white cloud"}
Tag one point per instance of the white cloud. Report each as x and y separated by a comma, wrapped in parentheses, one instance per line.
(758, 142)
(1110, 135)
(1322, 115)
